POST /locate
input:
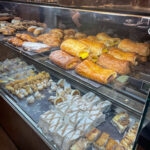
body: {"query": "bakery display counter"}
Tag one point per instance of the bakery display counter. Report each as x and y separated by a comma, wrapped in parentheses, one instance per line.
(75, 89)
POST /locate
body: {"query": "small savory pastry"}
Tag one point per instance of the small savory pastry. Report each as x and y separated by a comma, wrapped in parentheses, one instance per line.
(80, 35)
(92, 71)
(121, 121)
(102, 140)
(35, 47)
(69, 32)
(130, 46)
(64, 60)
(107, 40)
(58, 32)
(26, 37)
(15, 41)
(111, 144)
(119, 54)
(69, 37)
(81, 144)
(38, 31)
(8, 31)
(52, 41)
(31, 28)
(93, 134)
(75, 48)
(110, 62)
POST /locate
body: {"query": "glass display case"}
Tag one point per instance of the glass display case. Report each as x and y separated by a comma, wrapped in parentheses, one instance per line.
(80, 78)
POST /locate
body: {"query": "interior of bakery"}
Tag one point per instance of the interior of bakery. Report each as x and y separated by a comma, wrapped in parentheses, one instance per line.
(74, 75)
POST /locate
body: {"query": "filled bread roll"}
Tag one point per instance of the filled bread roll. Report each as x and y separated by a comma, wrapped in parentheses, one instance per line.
(94, 72)
(107, 40)
(96, 48)
(119, 54)
(110, 62)
(75, 48)
(64, 60)
(130, 46)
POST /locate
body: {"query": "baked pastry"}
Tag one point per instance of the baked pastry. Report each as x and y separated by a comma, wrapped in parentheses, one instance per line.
(80, 35)
(119, 54)
(58, 32)
(69, 37)
(31, 28)
(92, 71)
(93, 134)
(107, 40)
(8, 31)
(121, 121)
(75, 48)
(26, 37)
(102, 140)
(96, 48)
(69, 32)
(42, 37)
(15, 41)
(111, 144)
(52, 41)
(130, 136)
(64, 60)
(110, 62)
(35, 47)
(130, 46)
(38, 31)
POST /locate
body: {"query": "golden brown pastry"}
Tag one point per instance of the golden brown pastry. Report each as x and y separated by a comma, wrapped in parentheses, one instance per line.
(8, 31)
(64, 60)
(95, 47)
(111, 144)
(42, 37)
(58, 32)
(108, 41)
(15, 41)
(75, 48)
(52, 41)
(38, 31)
(102, 140)
(80, 35)
(26, 37)
(110, 62)
(130, 46)
(31, 28)
(69, 37)
(119, 54)
(93, 134)
(94, 72)
(69, 32)
(119, 147)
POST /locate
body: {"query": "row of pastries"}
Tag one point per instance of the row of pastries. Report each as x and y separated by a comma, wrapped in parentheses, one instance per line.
(101, 57)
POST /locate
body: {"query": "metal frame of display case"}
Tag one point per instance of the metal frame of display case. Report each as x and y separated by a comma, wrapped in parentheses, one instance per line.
(82, 85)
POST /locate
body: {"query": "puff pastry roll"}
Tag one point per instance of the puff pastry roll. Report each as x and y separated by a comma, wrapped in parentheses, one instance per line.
(109, 41)
(75, 48)
(130, 46)
(92, 71)
(64, 60)
(110, 62)
(119, 54)
(95, 47)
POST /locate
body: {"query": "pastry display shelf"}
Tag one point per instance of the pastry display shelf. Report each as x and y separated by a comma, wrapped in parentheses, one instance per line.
(128, 103)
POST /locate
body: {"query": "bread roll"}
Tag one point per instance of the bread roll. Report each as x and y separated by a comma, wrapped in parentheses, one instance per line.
(119, 54)
(75, 48)
(130, 46)
(110, 62)
(64, 60)
(94, 72)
